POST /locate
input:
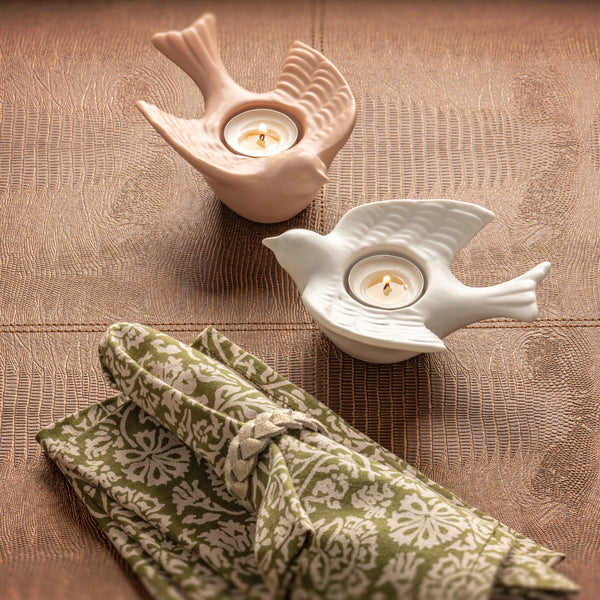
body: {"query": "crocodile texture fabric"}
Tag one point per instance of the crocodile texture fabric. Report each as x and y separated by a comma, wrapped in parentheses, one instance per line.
(494, 103)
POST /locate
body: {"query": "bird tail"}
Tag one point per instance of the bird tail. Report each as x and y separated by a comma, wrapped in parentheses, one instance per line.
(195, 51)
(516, 299)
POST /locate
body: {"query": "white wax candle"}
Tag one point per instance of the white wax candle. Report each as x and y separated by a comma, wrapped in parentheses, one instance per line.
(260, 132)
(385, 281)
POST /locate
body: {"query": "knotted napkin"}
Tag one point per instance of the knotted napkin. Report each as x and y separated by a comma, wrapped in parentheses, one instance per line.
(216, 478)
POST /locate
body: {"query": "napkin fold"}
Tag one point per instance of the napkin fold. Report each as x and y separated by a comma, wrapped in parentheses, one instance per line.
(216, 478)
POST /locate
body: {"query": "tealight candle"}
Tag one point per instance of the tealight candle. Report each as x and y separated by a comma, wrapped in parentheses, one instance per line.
(260, 132)
(385, 281)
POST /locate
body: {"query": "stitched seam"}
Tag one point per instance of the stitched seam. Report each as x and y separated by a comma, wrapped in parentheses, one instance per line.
(248, 326)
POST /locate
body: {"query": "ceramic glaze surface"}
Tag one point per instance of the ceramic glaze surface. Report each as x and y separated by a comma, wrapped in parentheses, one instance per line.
(428, 232)
(266, 189)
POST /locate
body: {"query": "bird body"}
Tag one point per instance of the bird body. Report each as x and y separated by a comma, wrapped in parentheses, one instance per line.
(310, 90)
(429, 233)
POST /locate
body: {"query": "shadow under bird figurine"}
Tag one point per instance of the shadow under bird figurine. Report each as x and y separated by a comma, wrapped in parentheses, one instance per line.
(380, 286)
(265, 155)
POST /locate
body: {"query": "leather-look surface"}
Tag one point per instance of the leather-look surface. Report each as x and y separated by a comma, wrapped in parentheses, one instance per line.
(492, 103)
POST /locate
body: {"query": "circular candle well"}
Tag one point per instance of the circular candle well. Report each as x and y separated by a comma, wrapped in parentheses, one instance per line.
(385, 281)
(260, 132)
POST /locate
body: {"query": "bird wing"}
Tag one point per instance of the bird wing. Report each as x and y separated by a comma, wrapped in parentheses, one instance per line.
(311, 83)
(331, 305)
(430, 228)
(199, 142)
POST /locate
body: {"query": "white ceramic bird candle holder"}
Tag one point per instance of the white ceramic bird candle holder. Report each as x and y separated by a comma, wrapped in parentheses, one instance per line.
(380, 286)
(265, 155)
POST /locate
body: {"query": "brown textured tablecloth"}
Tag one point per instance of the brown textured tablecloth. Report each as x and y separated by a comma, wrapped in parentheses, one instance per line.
(493, 103)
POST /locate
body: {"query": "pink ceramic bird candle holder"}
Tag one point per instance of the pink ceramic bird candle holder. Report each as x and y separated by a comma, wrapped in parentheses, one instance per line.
(380, 286)
(266, 156)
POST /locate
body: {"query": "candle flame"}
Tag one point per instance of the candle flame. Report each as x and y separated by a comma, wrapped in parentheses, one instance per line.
(387, 288)
(262, 128)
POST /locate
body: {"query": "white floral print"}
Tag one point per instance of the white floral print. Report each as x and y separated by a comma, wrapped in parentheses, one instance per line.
(424, 525)
(337, 518)
(156, 458)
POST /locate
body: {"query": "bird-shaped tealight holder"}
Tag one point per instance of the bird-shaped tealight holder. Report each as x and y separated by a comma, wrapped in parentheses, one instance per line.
(265, 155)
(380, 286)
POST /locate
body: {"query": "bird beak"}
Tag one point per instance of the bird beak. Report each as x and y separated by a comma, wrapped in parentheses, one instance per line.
(323, 173)
(271, 243)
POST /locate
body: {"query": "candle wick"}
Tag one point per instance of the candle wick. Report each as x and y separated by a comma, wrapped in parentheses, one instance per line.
(261, 140)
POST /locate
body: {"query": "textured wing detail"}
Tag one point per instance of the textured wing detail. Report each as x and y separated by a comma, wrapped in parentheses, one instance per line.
(199, 142)
(313, 85)
(432, 228)
(398, 330)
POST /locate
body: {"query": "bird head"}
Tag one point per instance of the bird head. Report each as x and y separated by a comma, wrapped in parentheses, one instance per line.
(299, 252)
(303, 175)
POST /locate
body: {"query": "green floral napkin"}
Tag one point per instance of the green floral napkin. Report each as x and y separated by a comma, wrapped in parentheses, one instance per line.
(216, 478)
